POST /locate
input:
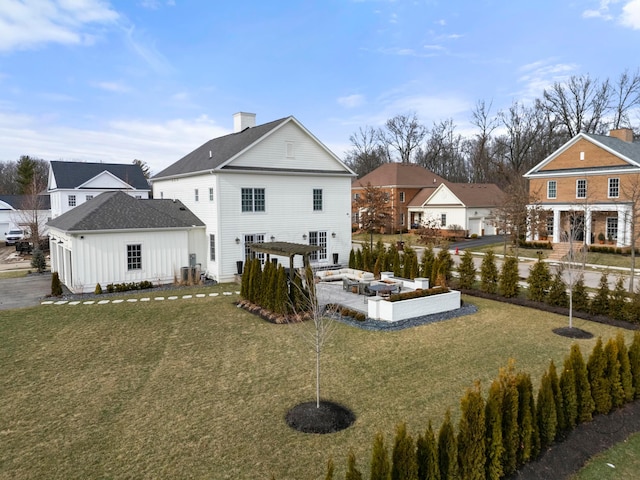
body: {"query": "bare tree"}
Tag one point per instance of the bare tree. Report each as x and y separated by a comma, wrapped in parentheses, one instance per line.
(511, 213)
(8, 178)
(146, 170)
(479, 148)
(32, 210)
(580, 104)
(374, 209)
(443, 152)
(404, 134)
(366, 153)
(631, 194)
(626, 96)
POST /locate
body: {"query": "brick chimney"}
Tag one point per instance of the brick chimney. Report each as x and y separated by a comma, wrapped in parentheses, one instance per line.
(242, 120)
(624, 134)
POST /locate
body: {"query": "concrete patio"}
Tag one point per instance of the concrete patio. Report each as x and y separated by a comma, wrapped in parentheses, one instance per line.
(332, 292)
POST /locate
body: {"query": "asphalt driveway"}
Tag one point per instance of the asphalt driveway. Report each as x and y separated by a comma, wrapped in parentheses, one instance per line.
(24, 291)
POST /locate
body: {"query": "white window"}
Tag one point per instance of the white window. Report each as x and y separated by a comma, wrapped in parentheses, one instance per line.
(134, 257)
(402, 219)
(443, 220)
(248, 240)
(317, 199)
(211, 194)
(550, 225)
(614, 187)
(88, 197)
(253, 200)
(552, 189)
(318, 239)
(212, 247)
(612, 228)
(581, 155)
(72, 200)
(581, 189)
(196, 195)
(401, 197)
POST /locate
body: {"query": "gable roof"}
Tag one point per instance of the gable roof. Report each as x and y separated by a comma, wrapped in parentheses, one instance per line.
(75, 174)
(119, 211)
(627, 151)
(17, 202)
(470, 194)
(395, 174)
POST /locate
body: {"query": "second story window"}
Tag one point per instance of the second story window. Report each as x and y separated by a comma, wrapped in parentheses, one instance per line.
(443, 220)
(614, 187)
(552, 189)
(356, 196)
(401, 197)
(581, 189)
(196, 195)
(317, 199)
(253, 200)
(72, 200)
(211, 194)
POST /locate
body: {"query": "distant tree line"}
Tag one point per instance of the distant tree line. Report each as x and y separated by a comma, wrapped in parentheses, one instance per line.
(19, 177)
(507, 143)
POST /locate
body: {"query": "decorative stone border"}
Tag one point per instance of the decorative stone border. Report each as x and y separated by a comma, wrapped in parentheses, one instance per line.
(134, 300)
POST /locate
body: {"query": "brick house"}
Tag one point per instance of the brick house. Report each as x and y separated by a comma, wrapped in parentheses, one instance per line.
(401, 182)
(585, 185)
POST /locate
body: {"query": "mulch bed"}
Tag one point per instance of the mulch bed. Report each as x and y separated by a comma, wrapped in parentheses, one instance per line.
(330, 417)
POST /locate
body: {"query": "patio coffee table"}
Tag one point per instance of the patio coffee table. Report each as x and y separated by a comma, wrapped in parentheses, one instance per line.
(383, 288)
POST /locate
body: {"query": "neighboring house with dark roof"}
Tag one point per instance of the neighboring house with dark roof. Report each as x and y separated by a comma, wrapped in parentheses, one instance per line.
(73, 183)
(466, 205)
(116, 238)
(585, 187)
(24, 212)
(401, 182)
(263, 183)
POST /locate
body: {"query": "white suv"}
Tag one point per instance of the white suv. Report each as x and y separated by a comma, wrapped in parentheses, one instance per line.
(13, 236)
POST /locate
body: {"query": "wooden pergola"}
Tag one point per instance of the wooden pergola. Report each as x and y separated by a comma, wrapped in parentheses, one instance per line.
(285, 249)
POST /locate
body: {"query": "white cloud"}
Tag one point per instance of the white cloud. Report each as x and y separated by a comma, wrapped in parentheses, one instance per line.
(540, 75)
(157, 143)
(30, 23)
(631, 15)
(351, 101)
(115, 87)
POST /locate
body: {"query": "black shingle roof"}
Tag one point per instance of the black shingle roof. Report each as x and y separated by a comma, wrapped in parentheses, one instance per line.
(74, 174)
(119, 211)
(25, 202)
(630, 150)
(221, 148)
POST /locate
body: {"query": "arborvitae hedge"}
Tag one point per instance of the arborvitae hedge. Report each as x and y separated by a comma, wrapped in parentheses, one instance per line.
(352, 471)
(600, 390)
(330, 469)
(471, 435)
(56, 285)
(352, 259)
(546, 412)
(625, 368)
(445, 263)
(583, 389)
(466, 271)
(539, 281)
(558, 292)
(403, 465)
(580, 298)
(618, 300)
(612, 372)
(358, 259)
(426, 263)
(493, 430)
(600, 302)
(527, 423)
(510, 436)
(569, 398)
(489, 273)
(634, 363)
(509, 278)
(557, 396)
(427, 455)
(447, 450)
(380, 467)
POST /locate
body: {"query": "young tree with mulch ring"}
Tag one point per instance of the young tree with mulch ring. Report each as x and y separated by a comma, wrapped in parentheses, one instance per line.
(625, 368)
(380, 467)
(466, 271)
(403, 464)
(600, 302)
(471, 435)
(447, 449)
(427, 456)
(539, 281)
(489, 273)
(600, 389)
(493, 431)
(612, 372)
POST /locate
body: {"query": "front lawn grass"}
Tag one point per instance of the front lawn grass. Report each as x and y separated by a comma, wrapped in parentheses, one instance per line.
(199, 388)
(619, 462)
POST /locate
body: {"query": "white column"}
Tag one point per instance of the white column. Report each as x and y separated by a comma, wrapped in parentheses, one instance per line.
(624, 226)
(556, 225)
(587, 226)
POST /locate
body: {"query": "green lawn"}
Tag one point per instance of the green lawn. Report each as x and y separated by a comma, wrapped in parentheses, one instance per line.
(199, 388)
(14, 273)
(621, 462)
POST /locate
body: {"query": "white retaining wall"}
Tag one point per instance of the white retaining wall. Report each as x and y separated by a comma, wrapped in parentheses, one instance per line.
(380, 309)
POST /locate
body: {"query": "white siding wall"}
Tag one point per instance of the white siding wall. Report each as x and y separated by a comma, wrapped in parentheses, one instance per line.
(60, 198)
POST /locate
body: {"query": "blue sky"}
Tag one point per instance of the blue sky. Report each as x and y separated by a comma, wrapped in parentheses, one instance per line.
(111, 81)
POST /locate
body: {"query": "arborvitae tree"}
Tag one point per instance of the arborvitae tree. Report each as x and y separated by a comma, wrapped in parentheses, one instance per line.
(600, 389)
(634, 363)
(580, 297)
(510, 436)
(330, 469)
(56, 285)
(509, 278)
(426, 263)
(267, 296)
(612, 372)
(256, 281)
(489, 273)
(98, 289)
(352, 471)
(447, 450)
(466, 271)
(625, 368)
(403, 465)
(407, 262)
(367, 264)
(358, 259)
(618, 300)
(471, 435)
(600, 302)
(446, 263)
(352, 259)
(244, 286)
(414, 266)
(436, 276)
(282, 291)
(546, 412)
(558, 292)
(396, 263)
(632, 308)
(569, 397)
(583, 389)
(427, 456)
(380, 468)
(527, 423)
(539, 281)
(493, 429)
(377, 268)
(557, 396)
(38, 261)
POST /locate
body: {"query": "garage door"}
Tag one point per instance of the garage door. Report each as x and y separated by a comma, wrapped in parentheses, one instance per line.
(474, 226)
(4, 228)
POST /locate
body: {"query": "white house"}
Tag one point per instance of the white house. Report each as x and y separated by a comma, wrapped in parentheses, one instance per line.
(263, 183)
(116, 238)
(73, 183)
(467, 205)
(24, 212)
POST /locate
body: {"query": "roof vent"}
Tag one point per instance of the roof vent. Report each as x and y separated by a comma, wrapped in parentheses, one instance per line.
(210, 154)
(182, 208)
